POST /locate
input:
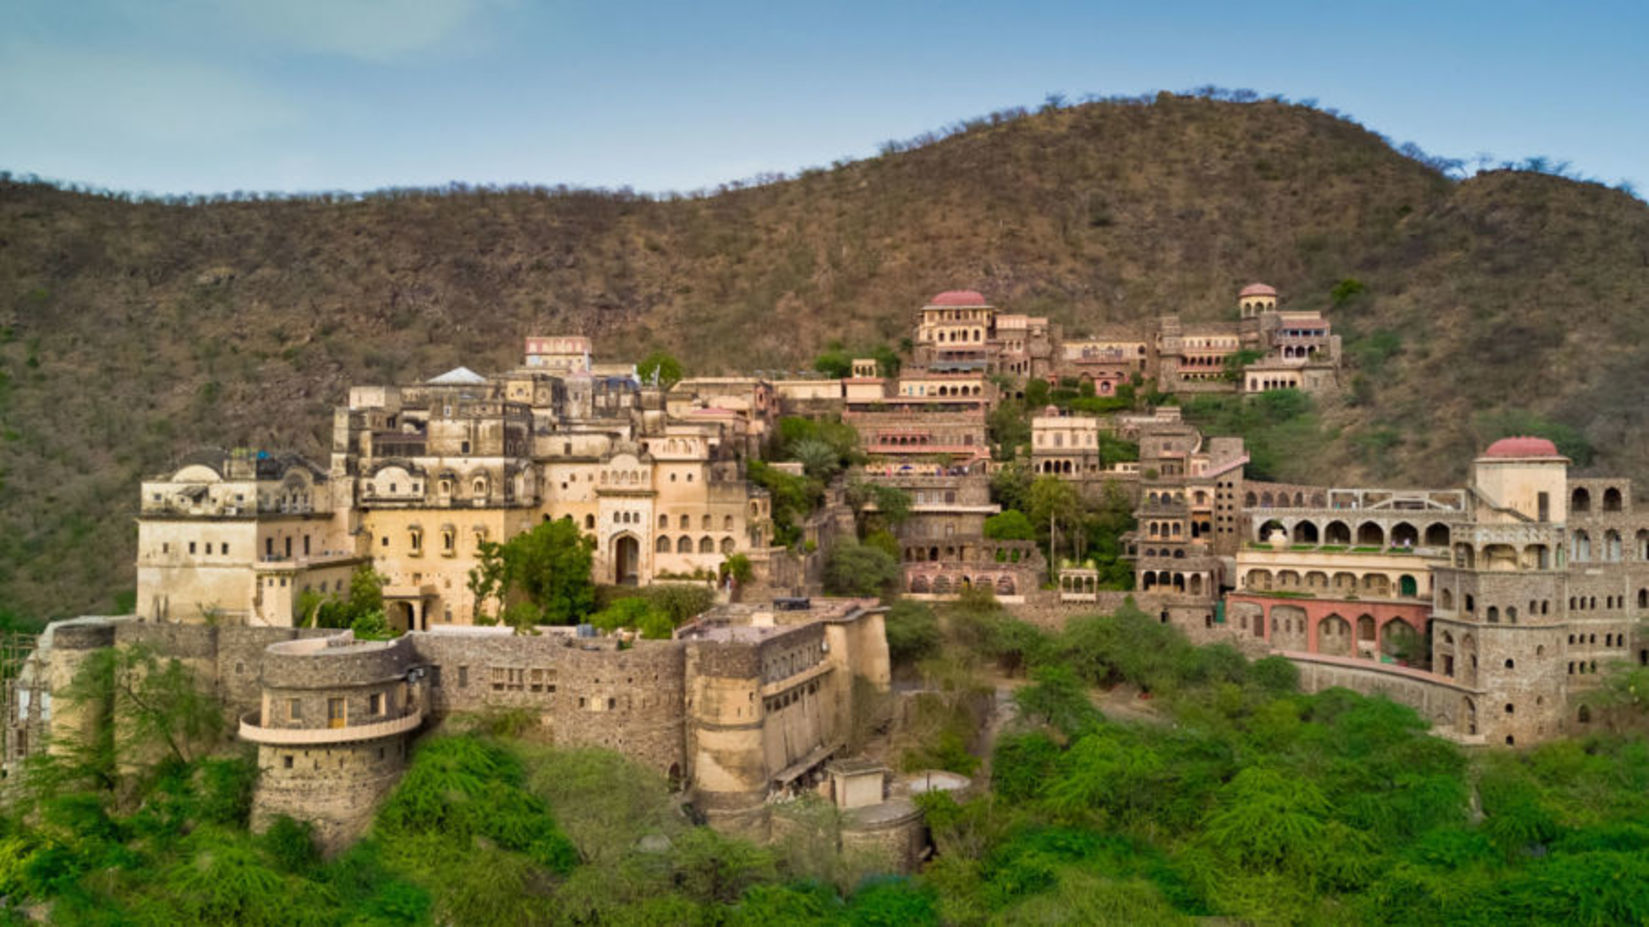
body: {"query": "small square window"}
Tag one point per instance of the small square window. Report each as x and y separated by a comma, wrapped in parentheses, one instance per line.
(286, 761)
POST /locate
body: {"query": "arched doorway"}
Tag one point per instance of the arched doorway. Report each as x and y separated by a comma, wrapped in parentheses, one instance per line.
(626, 560)
(403, 617)
(1334, 636)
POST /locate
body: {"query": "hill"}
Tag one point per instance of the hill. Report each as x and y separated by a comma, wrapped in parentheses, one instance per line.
(133, 330)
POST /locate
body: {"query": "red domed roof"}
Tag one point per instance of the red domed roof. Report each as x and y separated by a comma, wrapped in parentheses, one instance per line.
(958, 298)
(1257, 289)
(1522, 446)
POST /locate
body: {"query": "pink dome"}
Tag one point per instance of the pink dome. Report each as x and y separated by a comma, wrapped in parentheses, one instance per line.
(1522, 446)
(958, 298)
(1257, 289)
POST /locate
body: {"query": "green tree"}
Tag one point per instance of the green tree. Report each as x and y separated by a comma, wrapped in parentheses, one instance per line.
(1056, 506)
(549, 567)
(1010, 525)
(1238, 361)
(662, 366)
(134, 701)
(818, 459)
(1011, 485)
(912, 631)
(365, 597)
(859, 569)
(834, 363)
(876, 506)
(1009, 428)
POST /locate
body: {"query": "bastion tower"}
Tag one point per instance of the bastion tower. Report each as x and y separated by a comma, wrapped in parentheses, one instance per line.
(332, 731)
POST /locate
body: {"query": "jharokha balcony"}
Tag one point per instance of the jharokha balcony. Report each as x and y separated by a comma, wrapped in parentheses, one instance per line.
(253, 731)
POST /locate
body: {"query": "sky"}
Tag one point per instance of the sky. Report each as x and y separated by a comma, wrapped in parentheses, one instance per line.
(173, 96)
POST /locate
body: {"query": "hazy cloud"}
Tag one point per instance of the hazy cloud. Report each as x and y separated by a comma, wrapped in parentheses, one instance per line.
(374, 30)
(132, 97)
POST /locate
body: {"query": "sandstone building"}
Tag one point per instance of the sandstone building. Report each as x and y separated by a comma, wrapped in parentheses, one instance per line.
(1519, 589)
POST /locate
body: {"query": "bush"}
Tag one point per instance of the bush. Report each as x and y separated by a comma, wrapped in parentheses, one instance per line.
(1009, 525)
(859, 569)
(912, 631)
(1275, 674)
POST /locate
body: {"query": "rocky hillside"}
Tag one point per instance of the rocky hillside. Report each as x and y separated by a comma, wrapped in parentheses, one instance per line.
(134, 330)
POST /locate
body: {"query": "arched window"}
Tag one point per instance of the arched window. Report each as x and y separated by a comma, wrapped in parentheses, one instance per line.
(1611, 499)
(686, 522)
(706, 545)
(589, 522)
(684, 545)
(662, 546)
(704, 523)
(726, 545)
(727, 523)
(664, 521)
(1581, 501)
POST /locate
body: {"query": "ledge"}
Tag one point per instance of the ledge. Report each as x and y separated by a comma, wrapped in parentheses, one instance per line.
(252, 732)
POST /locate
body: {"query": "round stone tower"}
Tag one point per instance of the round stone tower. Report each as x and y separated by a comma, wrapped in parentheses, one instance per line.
(332, 731)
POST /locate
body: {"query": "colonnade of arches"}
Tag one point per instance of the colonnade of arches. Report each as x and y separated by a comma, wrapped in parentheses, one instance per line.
(1609, 547)
(1267, 499)
(1178, 553)
(1174, 581)
(1580, 500)
(1340, 583)
(1505, 557)
(988, 551)
(685, 545)
(954, 584)
(1367, 634)
(1078, 583)
(1495, 614)
(1350, 532)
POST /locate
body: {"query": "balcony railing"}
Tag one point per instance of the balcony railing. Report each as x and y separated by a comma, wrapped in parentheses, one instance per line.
(252, 731)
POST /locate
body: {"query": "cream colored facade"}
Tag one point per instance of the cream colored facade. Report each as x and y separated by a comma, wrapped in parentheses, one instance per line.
(422, 475)
(236, 537)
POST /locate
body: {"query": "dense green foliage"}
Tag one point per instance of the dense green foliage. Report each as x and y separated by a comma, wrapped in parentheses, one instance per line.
(1241, 798)
(1281, 428)
(361, 608)
(912, 631)
(859, 569)
(1009, 525)
(478, 832)
(793, 498)
(660, 366)
(655, 611)
(540, 576)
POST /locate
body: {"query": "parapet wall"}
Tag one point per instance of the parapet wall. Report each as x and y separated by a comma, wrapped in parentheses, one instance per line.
(1437, 699)
(586, 692)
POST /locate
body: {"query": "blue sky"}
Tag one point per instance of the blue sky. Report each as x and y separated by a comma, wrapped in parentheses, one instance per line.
(292, 95)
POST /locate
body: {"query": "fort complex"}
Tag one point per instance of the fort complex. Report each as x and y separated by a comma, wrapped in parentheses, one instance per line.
(1489, 607)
